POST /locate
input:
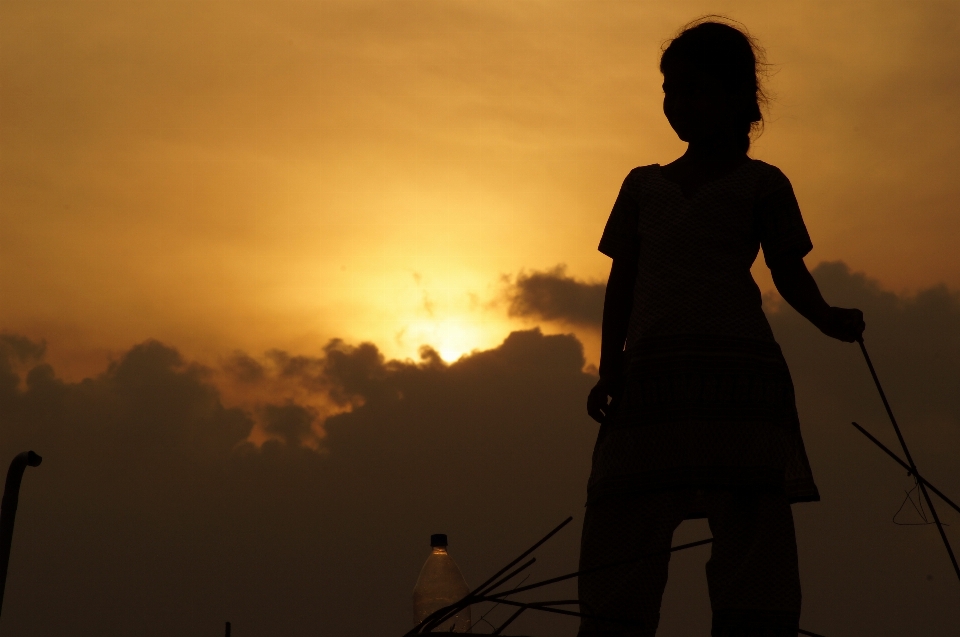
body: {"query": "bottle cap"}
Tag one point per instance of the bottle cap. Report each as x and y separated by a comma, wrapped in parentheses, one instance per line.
(438, 539)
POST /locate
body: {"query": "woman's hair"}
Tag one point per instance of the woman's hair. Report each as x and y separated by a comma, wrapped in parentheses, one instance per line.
(728, 55)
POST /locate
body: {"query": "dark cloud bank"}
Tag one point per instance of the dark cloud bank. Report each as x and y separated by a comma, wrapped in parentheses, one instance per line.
(553, 296)
(151, 516)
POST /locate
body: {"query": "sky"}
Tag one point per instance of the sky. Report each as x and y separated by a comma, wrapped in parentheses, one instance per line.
(260, 175)
(288, 268)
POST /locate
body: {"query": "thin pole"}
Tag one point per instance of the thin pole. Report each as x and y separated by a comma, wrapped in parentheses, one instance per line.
(910, 471)
(510, 576)
(508, 622)
(913, 466)
(227, 633)
(8, 509)
(524, 554)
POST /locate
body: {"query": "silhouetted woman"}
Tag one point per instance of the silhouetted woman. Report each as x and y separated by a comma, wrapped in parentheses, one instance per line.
(695, 399)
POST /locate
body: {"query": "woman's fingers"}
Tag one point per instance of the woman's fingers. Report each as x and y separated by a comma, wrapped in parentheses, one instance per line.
(597, 403)
(854, 324)
(594, 411)
(847, 324)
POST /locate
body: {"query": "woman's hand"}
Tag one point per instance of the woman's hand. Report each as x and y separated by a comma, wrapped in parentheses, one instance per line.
(600, 399)
(798, 288)
(842, 324)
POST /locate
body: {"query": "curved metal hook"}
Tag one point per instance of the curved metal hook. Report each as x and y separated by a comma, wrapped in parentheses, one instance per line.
(8, 509)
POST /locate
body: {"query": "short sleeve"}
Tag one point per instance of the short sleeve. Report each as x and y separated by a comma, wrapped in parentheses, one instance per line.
(779, 222)
(620, 237)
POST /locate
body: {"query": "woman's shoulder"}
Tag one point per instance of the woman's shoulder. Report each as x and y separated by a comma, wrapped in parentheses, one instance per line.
(642, 172)
(768, 172)
(638, 177)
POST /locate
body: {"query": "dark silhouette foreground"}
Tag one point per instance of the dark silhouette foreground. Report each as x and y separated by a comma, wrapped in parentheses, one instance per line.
(695, 400)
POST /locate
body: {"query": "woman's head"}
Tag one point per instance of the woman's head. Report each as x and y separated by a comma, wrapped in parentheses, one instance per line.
(710, 84)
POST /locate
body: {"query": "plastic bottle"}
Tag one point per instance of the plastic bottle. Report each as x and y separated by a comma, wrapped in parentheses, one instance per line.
(441, 584)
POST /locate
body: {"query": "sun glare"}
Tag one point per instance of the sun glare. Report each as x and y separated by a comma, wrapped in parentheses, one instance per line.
(451, 337)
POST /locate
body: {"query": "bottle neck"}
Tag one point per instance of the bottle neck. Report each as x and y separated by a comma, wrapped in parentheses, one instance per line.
(439, 550)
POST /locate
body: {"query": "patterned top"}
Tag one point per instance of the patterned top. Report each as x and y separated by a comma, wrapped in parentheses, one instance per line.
(707, 401)
(694, 269)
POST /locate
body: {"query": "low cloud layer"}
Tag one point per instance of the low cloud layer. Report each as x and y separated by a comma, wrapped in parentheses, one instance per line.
(552, 295)
(154, 514)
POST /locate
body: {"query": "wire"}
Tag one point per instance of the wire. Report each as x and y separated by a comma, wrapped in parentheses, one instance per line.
(919, 509)
(491, 609)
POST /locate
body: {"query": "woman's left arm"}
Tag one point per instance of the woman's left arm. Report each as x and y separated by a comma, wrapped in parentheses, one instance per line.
(798, 288)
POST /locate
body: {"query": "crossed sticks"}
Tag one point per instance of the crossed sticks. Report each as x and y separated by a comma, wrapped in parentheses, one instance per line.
(487, 592)
(909, 465)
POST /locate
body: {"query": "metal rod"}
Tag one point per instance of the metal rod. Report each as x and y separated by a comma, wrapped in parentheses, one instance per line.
(523, 555)
(886, 405)
(906, 453)
(8, 509)
(509, 621)
(508, 577)
(494, 606)
(910, 471)
(554, 580)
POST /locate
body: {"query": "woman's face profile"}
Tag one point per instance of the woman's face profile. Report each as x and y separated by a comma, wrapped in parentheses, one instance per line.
(696, 106)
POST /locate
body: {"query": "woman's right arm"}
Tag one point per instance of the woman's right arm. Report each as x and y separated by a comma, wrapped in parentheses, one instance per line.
(797, 287)
(617, 305)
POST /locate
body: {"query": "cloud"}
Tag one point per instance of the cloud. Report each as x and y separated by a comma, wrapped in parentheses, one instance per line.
(290, 422)
(153, 513)
(18, 349)
(551, 295)
(17, 354)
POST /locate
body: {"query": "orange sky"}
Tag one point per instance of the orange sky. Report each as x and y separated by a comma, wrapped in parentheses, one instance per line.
(266, 176)
(254, 175)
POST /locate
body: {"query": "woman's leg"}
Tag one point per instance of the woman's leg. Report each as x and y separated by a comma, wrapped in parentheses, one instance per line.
(625, 599)
(752, 574)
